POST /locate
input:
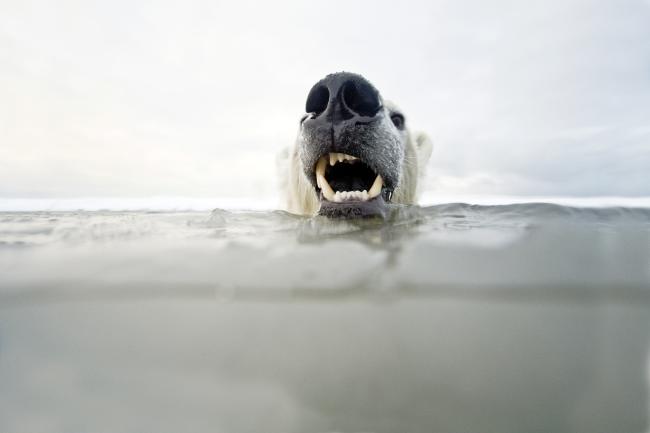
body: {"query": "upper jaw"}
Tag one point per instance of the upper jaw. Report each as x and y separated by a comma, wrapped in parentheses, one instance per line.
(368, 186)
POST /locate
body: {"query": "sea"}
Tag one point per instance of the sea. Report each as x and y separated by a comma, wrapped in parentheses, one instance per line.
(451, 317)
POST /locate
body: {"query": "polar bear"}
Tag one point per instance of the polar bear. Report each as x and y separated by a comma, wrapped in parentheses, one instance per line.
(354, 153)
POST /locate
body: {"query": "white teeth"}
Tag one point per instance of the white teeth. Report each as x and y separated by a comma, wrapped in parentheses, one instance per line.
(327, 190)
(341, 196)
(320, 167)
(325, 187)
(375, 189)
(340, 157)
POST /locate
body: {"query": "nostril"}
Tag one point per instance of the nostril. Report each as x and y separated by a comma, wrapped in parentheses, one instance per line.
(317, 100)
(361, 98)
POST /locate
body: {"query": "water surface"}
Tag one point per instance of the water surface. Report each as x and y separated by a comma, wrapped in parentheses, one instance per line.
(451, 318)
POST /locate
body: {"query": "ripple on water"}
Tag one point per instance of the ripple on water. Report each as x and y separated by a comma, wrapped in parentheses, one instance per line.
(423, 250)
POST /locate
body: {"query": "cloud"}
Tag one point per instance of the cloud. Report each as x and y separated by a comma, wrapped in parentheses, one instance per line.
(128, 99)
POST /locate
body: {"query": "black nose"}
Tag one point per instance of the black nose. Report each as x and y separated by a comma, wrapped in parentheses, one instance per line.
(342, 96)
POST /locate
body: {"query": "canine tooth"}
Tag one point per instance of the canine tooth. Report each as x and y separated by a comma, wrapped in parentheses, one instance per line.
(326, 189)
(332, 158)
(320, 166)
(375, 189)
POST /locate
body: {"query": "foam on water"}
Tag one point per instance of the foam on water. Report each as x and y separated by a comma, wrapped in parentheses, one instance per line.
(454, 317)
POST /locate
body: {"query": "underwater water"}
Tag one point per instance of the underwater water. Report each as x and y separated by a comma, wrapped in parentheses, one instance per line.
(449, 318)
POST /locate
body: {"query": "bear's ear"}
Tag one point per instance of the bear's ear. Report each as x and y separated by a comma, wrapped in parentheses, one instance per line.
(424, 147)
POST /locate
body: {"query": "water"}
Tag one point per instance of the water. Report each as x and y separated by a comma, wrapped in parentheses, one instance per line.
(450, 318)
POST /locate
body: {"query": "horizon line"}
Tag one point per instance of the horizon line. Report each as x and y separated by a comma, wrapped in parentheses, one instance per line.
(184, 203)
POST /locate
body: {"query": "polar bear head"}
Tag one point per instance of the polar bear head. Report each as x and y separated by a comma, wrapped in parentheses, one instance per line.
(354, 153)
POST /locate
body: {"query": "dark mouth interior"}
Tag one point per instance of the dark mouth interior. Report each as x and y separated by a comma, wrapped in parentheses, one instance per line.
(350, 176)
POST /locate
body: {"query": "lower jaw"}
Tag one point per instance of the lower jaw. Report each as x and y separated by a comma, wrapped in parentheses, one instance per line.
(375, 207)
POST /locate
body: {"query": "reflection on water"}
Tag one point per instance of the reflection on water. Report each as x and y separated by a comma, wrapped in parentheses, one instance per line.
(453, 318)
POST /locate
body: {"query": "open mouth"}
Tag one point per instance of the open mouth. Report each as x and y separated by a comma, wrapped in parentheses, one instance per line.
(344, 178)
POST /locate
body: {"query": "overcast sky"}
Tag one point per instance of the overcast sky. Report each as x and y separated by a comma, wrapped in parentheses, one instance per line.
(194, 99)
